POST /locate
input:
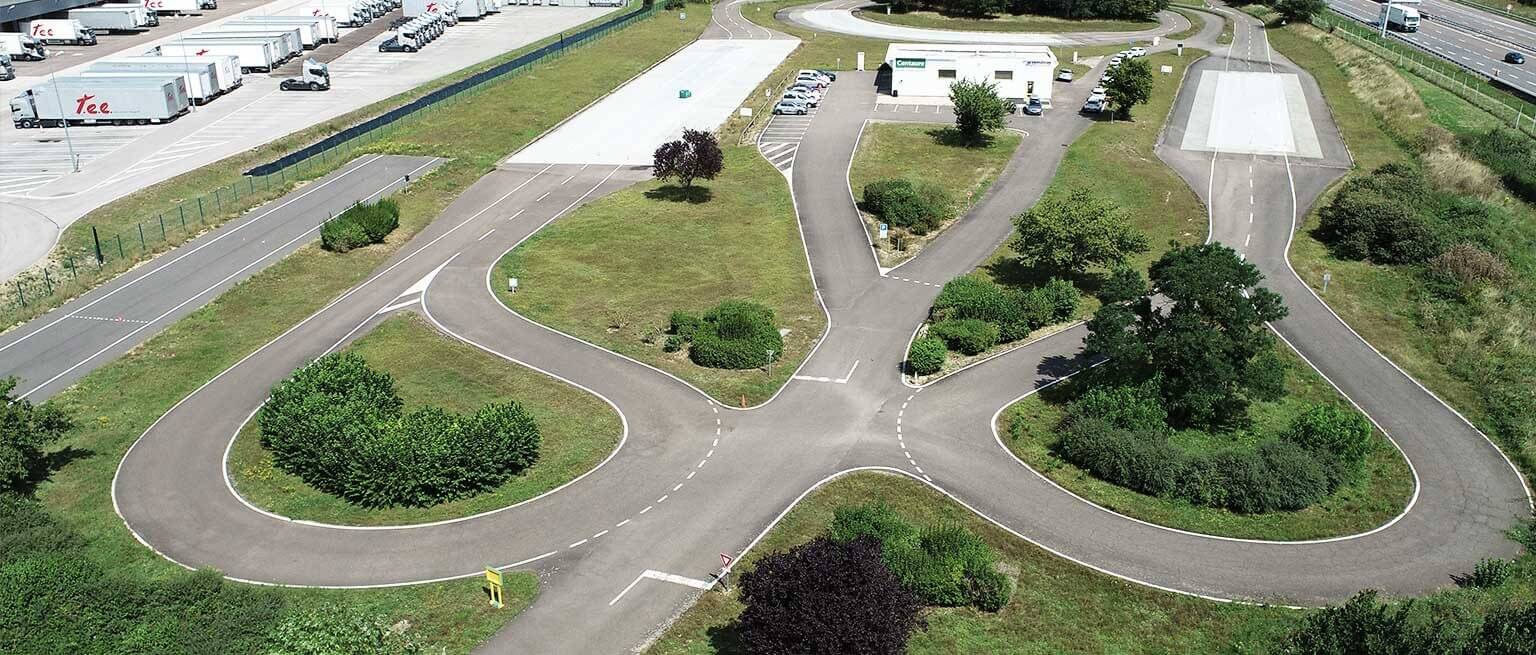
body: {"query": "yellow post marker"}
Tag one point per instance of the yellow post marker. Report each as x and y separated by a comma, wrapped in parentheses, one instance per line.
(493, 582)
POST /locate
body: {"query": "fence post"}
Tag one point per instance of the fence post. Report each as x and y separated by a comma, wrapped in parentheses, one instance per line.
(96, 237)
(162, 227)
(142, 246)
(182, 209)
(48, 283)
(120, 253)
(21, 294)
(70, 264)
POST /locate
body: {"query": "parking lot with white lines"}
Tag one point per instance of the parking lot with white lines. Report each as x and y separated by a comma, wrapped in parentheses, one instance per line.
(780, 139)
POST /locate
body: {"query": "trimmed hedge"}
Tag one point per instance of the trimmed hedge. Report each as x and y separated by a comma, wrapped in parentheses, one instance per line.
(967, 335)
(944, 565)
(338, 425)
(1014, 313)
(360, 225)
(736, 334)
(926, 356)
(919, 207)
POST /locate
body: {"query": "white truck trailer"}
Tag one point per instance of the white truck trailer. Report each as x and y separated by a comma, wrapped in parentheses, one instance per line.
(224, 70)
(414, 8)
(99, 20)
(303, 34)
(348, 13)
(151, 18)
(98, 101)
(1400, 18)
(23, 47)
(253, 55)
(285, 45)
(324, 27)
(202, 86)
(180, 6)
(59, 31)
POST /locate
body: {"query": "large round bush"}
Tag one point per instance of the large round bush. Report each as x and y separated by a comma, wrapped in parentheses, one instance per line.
(338, 425)
(736, 334)
(927, 356)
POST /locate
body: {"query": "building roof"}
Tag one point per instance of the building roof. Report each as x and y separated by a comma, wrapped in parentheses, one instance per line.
(955, 50)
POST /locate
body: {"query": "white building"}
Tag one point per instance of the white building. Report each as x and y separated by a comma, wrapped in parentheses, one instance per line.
(927, 69)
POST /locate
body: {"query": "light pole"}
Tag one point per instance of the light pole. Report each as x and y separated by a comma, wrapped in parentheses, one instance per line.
(74, 163)
(1386, 11)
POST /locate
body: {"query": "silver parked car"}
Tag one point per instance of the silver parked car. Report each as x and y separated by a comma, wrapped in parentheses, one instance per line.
(791, 107)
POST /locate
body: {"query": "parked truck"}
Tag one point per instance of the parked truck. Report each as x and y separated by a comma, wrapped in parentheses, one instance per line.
(180, 6)
(224, 70)
(201, 86)
(348, 13)
(324, 27)
(302, 36)
(151, 19)
(22, 47)
(1400, 18)
(7, 71)
(97, 101)
(254, 56)
(59, 31)
(100, 21)
(285, 45)
(315, 76)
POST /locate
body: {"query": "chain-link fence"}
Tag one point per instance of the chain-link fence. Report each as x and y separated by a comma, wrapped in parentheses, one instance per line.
(81, 264)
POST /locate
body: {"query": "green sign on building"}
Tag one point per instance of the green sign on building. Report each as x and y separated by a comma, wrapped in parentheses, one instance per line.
(904, 62)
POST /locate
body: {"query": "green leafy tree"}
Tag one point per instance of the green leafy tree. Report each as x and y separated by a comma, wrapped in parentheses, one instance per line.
(25, 432)
(978, 109)
(1130, 85)
(1072, 233)
(1207, 347)
(1300, 10)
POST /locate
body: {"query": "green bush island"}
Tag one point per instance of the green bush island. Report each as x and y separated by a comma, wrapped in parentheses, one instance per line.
(919, 208)
(736, 334)
(926, 356)
(360, 225)
(1394, 216)
(1014, 313)
(944, 565)
(969, 336)
(338, 425)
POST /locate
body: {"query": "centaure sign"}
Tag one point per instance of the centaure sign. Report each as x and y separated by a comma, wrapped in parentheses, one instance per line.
(905, 62)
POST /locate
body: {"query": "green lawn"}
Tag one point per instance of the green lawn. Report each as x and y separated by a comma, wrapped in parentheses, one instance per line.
(1006, 22)
(117, 402)
(577, 430)
(1028, 429)
(1057, 606)
(612, 271)
(926, 152)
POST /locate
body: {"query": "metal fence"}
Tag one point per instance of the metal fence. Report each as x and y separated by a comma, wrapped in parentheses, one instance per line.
(77, 267)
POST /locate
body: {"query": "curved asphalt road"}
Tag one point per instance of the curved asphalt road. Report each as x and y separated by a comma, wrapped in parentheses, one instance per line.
(837, 16)
(627, 546)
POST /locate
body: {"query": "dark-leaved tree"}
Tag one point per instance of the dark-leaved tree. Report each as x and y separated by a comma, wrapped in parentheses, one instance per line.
(826, 598)
(695, 156)
(25, 430)
(1206, 345)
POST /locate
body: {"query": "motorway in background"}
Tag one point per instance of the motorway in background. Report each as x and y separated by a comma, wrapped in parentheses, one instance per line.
(1471, 38)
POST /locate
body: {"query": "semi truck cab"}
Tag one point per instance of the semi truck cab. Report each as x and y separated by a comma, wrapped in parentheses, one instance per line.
(316, 77)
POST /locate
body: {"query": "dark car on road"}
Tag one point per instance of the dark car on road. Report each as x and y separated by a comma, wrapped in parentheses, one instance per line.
(1514, 58)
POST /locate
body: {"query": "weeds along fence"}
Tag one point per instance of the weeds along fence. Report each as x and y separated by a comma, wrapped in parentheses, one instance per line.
(81, 264)
(1434, 68)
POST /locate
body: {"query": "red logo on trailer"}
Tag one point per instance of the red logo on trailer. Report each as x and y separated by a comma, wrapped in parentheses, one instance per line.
(83, 105)
(431, 7)
(154, 4)
(38, 30)
(202, 52)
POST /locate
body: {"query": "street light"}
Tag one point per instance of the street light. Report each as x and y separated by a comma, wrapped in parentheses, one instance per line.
(74, 161)
(1386, 11)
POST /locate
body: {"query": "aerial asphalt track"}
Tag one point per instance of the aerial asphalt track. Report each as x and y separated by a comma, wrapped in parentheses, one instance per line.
(627, 546)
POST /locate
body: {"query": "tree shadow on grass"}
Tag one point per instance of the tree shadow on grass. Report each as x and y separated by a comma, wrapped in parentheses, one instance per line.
(726, 638)
(1008, 272)
(693, 195)
(949, 136)
(42, 470)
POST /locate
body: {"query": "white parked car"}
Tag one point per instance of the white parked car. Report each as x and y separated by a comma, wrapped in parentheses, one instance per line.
(1064, 76)
(1094, 105)
(815, 73)
(807, 90)
(802, 98)
(791, 107)
(1138, 51)
(1115, 61)
(1097, 91)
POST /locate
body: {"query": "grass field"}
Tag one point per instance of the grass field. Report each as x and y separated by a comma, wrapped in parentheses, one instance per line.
(1006, 22)
(577, 430)
(117, 402)
(926, 152)
(1028, 429)
(612, 271)
(1057, 606)
(121, 216)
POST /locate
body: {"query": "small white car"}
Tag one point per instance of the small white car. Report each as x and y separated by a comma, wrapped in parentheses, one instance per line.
(801, 98)
(791, 107)
(814, 73)
(1097, 91)
(1138, 51)
(1115, 61)
(1065, 75)
(807, 90)
(1094, 105)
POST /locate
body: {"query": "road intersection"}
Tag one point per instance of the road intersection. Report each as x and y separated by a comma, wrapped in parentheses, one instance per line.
(629, 544)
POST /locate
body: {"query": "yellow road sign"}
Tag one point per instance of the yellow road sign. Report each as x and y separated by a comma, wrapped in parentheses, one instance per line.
(493, 579)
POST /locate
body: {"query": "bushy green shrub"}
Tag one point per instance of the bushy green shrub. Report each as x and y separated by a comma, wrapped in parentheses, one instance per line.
(331, 629)
(673, 343)
(919, 207)
(337, 424)
(1126, 407)
(1510, 154)
(944, 565)
(966, 335)
(735, 334)
(974, 296)
(1060, 296)
(360, 225)
(1392, 217)
(1124, 283)
(1339, 437)
(926, 356)
(1488, 573)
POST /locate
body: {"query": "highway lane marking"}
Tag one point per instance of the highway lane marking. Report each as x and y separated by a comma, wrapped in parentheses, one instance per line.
(600, 534)
(210, 242)
(109, 319)
(483, 236)
(679, 486)
(647, 509)
(661, 500)
(546, 195)
(577, 543)
(519, 213)
(621, 524)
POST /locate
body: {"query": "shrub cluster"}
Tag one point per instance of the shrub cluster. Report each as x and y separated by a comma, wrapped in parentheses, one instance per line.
(1510, 154)
(360, 225)
(1369, 626)
(1394, 216)
(926, 356)
(944, 565)
(918, 208)
(736, 334)
(1014, 313)
(1119, 434)
(338, 425)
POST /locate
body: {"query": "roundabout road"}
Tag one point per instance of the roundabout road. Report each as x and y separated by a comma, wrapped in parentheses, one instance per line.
(633, 543)
(837, 16)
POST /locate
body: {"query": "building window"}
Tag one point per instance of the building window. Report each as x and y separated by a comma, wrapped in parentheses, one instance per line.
(1002, 75)
(946, 73)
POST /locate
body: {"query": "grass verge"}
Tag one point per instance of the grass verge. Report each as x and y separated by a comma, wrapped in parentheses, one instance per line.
(925, 152)
(577, 429)
(1006, 22)
(1028, 429)
(117, 402)
(1057, 606)
(612, 271)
